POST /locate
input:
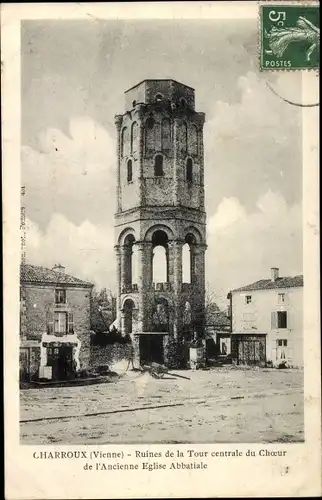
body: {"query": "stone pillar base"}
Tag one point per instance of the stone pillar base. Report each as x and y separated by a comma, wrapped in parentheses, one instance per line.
(136, 348)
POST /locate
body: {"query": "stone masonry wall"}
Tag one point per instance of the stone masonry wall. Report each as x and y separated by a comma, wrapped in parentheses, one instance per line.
(40, 299)
(108, 355)
(171, 200)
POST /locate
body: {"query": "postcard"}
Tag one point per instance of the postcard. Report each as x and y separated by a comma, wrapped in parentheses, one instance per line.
(161, 249)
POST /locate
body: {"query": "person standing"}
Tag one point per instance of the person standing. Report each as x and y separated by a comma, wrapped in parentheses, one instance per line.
(131, 356)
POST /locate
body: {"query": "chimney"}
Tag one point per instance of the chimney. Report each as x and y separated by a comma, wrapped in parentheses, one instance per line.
(274, 273)
(59, 268)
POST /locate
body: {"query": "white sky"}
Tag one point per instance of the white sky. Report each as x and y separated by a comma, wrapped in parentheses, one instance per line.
(74, 74)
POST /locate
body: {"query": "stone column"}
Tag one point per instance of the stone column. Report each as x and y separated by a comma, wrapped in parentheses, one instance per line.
(199, 276)
(118, 279)
(176, 257)
(118, 123)
(199, 265)
(125, 255)
(144, 280)
(122, 321)
(202, 169)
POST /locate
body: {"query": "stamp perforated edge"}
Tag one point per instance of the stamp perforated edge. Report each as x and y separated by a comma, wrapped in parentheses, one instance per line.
(289, 3)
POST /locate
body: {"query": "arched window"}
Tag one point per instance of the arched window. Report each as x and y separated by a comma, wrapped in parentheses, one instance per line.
(128, 316)
(128, 263)
(159, 270)
(186, 264)
(184, 137)
(134, 137)
(166, 134)
(189, 170)
(160, 265)
(194, 140)
(123, 141)
(158, 166)
(129, 171)
(158, 98)
(183, 102)
(188, 259)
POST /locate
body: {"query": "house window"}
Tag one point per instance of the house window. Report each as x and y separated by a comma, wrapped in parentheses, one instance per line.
(248, 299)
(282, 343)
(129, 171)
(60, 322)
(158, 166)
(60, 296)
(189, 170)
(281, 298)
(281, 319)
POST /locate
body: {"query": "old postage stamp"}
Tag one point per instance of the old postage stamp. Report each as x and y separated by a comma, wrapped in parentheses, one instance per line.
(290, 37)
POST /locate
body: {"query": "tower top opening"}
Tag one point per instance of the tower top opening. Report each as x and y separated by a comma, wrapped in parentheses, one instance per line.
(158, 90)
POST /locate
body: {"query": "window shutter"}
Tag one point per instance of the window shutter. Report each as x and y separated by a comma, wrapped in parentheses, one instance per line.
(70, 322)
(274, 320)
(274, 351)
(289, 351)
(50, 322)
(289, 319)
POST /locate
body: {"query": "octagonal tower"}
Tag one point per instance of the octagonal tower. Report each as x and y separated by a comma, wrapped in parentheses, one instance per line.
(160, 203)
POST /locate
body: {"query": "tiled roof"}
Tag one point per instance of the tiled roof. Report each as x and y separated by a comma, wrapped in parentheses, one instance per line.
(283, 282)
(43, 275)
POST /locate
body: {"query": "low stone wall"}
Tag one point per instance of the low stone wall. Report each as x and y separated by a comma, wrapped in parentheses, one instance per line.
(108, 355)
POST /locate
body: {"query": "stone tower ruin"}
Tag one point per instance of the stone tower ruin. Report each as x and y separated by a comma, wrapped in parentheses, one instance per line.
(160, 204)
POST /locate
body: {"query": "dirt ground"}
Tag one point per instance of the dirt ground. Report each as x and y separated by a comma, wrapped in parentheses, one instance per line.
(216, 406)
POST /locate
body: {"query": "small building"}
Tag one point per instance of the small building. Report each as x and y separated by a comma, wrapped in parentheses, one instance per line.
(267, 321)
(54, 323)
(218, 335)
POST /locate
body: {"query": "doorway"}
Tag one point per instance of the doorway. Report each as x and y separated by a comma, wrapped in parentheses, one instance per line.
(281, 349)
(61, 360)
(249, 350)
(151, 349)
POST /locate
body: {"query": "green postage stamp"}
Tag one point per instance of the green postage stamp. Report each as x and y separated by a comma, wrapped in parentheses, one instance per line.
(290, 36)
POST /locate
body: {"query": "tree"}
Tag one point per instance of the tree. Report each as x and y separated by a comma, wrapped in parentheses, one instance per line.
(103, 310)
(213, 314)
